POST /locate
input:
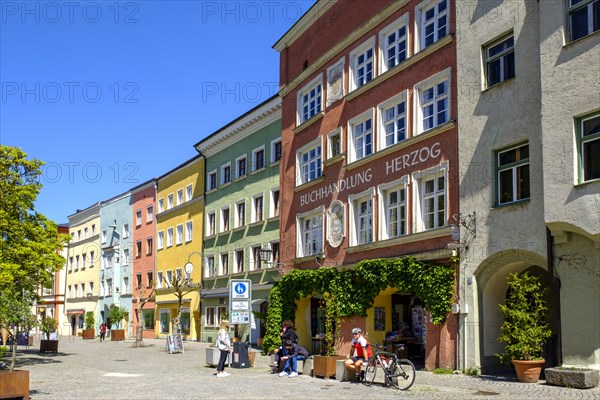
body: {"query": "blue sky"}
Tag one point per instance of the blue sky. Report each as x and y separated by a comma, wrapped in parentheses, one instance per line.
(110, 94)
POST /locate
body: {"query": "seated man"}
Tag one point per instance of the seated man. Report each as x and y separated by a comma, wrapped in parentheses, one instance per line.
(294, 353)
(362, 352)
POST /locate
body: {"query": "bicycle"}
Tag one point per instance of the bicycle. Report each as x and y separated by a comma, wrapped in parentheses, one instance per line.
(399, 372)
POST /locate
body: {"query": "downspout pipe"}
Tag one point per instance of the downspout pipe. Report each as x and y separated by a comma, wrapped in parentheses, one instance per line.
(555, 295)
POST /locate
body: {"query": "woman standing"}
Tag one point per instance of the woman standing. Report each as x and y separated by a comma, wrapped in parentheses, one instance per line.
(224, 345)
(102, 331)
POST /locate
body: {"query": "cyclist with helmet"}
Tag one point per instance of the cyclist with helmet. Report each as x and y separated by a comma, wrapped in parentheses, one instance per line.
(362, 353)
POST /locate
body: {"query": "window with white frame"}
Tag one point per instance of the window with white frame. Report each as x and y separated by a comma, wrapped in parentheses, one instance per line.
(211, 181)
(256, 261)
(211, 225)
(392, 121)
(179, 196)
(276, 150)
(104, 236)
(170, 201)
(274, 203)
(258, 158)
(221, 311)
(311, 233)
(70, 264)
(334, 143)
(169, 237)
(82, 289)
(239, 260)
(361, 218)
(209, 313)
(126, 256)
(179, 234)
(361, 136)
(79, 234)
(225, 219)
(431, 198)
(85, 233)
(226, 174)
(91, 284)
(257, 208)
(274, 254)
(126, 285)
(433, 102)
(393, 210)
(161, 205)
(210, 267)
(178, 274)
(309, 162)
(149, 278)
(432, 22)
(362, 64)
(92, 258)
(224, 264)
(584, 18)
(159, 279)
(588, 149)
(83, 261)
(189, 231)
(393, 43)
(160, 244)
(512, 174)
(76, 262)
(109, 287)
(189, 193)
(165, 318)
(138, 248)
(148, 246)
(310, 99)
(149, 213)
(240, 214)
(138, 217)
(499, 60)
(93, 229)
(169, 278)
(69, 291)
(240, 167)
(125, 230)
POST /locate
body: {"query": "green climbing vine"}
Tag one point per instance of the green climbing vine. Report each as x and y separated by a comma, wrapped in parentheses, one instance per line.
(352, 292)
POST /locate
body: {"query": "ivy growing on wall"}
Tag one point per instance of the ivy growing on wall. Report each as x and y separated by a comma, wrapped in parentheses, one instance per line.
(352, 292)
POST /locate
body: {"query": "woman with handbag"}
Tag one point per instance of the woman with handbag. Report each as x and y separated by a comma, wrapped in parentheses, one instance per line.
(224, 345)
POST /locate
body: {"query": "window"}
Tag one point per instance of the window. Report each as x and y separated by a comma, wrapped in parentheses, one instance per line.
(393, 43)
(138, 248)
(83, 260)
(104, 236)
(149, 278)
(91, 284)
(240, 217)
(209, 320)
(125, 230)
(275, 254)
(310, 99)
(221, 311)
(185, 321)
(179, 196)
(189, 192)
(70, 263)
(226, 174)
(361, 143)
(169, 278)
(85, 233)
(240, 167)
(433, 100)
(76, 263)
(92, 258)
(257, 209)
(82, 289)
(148, 246)
(138, 280)
(225, 219)
(225, 264)
(179, 234)
(431, 198)
(148, 319)
(588, 139)
(109, 287)
(258, 159)
(189, 231)
(210, 266)
(149, 213)
(274, 203)
(512, 174)
(361, 218)
(79, 234)
(361, 64)
(309, 162)
(93, 229)
(499, 61)
(159, 280)
(392, 121)
(161, 205)
(165, 318)
(211, 181)
(178, 274)
(239, 260)
(211, 224)
(584, 17)
(170, 203)
(169, 237)
(311, 234)
(138, 217)
(161, 240)
(432, 17)
(126, 256)
(334, 143)
(393, 201)
(256, 261)
(126, 285)
(276, 150)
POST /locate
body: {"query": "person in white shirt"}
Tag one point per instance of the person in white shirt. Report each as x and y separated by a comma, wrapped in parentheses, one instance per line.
(224, 345)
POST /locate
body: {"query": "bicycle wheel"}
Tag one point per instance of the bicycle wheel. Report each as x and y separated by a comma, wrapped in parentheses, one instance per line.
(370, 372)
(403, 374)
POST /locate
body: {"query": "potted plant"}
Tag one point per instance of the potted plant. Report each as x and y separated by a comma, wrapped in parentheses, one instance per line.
(48, 327)
(90, 331)
(325, 365)
(116, 315)
(525, 328)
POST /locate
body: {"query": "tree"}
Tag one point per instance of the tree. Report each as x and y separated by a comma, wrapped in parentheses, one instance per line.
(180, 286)
(30, 245)
(116, 314)
(142, 295)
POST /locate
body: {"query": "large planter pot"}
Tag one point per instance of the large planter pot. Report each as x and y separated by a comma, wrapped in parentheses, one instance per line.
(88, 333)
(212, 356)
(324, 366)
(14, 384)
(528, 371)
(117, 335)
(48, 345)
(579, 378)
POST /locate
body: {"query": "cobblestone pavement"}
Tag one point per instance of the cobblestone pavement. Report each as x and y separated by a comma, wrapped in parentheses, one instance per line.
(114, 370)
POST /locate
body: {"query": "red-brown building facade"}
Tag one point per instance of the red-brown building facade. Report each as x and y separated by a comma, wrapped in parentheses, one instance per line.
(369, 152)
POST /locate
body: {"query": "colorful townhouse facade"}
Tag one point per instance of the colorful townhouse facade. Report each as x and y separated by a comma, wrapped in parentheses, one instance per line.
(144, 256)
(179, 225)
(369, 161)
(242, 215)
(115, 273)
(82, 269)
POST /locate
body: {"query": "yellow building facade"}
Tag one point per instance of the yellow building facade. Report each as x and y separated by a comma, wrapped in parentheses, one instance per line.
(179, 227)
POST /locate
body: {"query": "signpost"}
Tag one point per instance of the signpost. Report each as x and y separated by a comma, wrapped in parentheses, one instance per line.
(240, 300)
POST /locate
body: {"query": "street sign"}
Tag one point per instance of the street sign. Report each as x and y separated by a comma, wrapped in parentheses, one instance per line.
(239, 305)
(240, 289)
(241, 317)
(240, 300)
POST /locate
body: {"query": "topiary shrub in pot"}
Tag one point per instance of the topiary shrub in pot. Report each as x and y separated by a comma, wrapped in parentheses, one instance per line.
(49, 342)
(525, 328)
(90, 331)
